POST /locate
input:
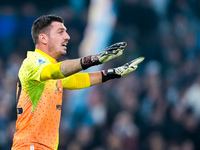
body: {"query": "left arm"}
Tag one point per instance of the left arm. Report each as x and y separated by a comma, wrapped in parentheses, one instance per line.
(95, 78)
(82, 80)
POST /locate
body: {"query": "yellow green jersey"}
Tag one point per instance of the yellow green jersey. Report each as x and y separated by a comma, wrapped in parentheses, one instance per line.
(39, 103)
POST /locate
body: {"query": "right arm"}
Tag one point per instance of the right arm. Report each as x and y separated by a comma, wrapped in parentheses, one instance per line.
(69, 67)
(60, 70)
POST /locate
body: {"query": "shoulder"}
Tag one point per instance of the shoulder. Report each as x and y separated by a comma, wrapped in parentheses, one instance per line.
(34, 61)
(35, 58)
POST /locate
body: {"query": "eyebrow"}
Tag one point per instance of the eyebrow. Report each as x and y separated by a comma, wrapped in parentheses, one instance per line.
(62, 29)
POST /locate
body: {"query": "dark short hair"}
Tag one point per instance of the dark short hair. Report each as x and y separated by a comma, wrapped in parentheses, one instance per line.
(42, 23)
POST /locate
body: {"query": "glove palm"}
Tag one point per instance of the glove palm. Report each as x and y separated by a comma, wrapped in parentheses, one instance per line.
(111, 52)
(128, 67)
(107, 54)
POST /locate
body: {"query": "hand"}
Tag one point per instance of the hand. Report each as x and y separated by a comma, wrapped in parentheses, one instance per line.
(111, 52)
(121, 71)
(107, 54)
(128, 67)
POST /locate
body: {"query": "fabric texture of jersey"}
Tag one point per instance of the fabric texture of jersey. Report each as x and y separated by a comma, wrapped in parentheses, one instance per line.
(40, 105)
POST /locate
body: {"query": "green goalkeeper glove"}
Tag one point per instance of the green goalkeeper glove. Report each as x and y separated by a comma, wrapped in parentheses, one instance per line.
(107, 54)
(121, 71)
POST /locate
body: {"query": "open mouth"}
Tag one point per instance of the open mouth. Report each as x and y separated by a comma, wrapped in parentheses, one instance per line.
(64, 44)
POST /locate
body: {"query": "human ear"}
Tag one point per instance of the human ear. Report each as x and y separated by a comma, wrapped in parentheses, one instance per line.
(43, 38)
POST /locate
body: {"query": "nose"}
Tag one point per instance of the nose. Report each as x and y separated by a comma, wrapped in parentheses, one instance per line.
(67, 36)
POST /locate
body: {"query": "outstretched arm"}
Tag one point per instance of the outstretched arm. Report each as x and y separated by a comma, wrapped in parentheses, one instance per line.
(98, 77)
(122, 70)
(69, 67)
(84, 80)
(95, 78)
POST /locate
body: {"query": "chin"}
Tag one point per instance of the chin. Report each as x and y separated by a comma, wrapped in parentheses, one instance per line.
(63, 54)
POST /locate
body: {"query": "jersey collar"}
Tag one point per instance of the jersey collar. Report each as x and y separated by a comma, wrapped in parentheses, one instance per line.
(52, 60)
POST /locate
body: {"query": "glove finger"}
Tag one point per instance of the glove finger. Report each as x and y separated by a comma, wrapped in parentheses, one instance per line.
(128, 70)
(119, 44)
(123, 45)
(131, 66)
(120, 51)
(112, 48)
(136, 61)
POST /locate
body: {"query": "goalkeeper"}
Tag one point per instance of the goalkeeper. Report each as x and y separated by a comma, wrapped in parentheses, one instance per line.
(42, 79)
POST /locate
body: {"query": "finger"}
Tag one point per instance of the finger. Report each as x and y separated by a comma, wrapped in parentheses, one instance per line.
(136, 61)
(114, 48)
(114, 51)
(123, 45)
(119, 44)
(111, 52)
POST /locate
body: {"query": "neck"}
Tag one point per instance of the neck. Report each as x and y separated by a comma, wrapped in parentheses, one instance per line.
(45, 50)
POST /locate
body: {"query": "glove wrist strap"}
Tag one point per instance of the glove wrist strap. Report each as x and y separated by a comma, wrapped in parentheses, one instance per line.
(104, 76)
(109, 74)
(89, 61)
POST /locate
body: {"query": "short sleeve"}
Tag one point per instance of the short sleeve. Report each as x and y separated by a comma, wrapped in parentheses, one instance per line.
(34, 73)
(76, 81)
(33, 67)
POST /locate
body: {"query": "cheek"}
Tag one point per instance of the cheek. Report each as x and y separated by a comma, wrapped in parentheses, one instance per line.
(54, 42)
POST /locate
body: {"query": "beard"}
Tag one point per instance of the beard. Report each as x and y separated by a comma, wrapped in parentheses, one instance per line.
(51, 47)
(57, 53)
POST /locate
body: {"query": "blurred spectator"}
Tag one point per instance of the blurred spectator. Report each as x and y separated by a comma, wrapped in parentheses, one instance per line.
(84, 136)
(156, 142)
(114, 142)
(191, 97)
(73, 146)
(125, 128)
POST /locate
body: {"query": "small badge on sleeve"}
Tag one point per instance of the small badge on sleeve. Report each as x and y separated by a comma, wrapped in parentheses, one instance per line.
(41, 61)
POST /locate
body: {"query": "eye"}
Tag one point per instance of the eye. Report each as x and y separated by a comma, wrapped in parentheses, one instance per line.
(61, 31)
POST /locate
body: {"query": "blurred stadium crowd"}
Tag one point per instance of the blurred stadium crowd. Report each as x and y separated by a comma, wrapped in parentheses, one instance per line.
(155, 108)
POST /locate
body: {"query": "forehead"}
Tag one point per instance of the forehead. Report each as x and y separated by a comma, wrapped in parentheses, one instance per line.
(57, 25)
